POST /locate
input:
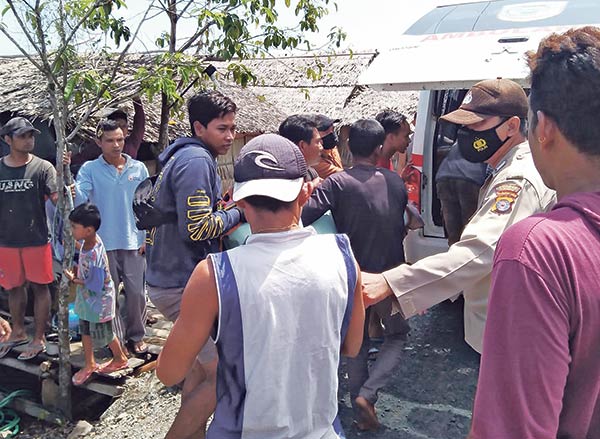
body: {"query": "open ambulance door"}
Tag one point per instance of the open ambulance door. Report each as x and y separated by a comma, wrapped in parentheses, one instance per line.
(443, 67)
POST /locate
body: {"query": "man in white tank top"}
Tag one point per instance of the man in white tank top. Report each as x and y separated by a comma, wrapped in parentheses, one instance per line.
(281, 309)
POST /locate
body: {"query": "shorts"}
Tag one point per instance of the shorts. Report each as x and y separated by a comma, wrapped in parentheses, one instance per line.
(33, 264)
(101, 333)
(168, 302)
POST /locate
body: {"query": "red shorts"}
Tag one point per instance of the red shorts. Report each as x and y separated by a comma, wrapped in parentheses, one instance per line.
(28, 263)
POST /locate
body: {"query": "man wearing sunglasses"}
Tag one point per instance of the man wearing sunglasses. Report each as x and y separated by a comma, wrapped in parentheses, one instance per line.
(493, 130)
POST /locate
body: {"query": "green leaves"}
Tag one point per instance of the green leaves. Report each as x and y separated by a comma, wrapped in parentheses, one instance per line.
(171, 74)
(83, 85)
(245, 28)
(98, 15)
(241, 74)
(163, 40)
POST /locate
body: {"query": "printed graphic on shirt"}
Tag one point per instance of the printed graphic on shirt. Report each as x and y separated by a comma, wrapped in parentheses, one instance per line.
(506, 195)
(150, 235)
(204, 225)
(20, 185)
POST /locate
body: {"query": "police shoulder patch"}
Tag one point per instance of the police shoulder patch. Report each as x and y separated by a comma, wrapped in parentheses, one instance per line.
(506, 195)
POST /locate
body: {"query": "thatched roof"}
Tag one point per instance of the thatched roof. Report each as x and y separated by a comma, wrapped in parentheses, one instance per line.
(340, 70)
(366, 103)
(23, 90)
(283, 81)
(283, 89)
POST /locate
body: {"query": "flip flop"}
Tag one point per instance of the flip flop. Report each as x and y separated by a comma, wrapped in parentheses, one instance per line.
(33, 350)
(6, 346)
(82, 376)
(111, 366)
(139, 347)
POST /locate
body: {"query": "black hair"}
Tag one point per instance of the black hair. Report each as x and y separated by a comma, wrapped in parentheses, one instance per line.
(391, 120)
(565, 85)
(208, 105)
(365, 135)
(298, 127)
(267, 203)
(523, 126)
(87, 215)
(118, 115)
(106, 126)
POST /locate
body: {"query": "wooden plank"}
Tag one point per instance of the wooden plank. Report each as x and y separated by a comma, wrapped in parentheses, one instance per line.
(23, 366)
(132, 363)
(33, 409)
(104, 388)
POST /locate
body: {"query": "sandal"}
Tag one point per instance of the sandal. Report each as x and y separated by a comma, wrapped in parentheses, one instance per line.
(33, 350)
(6, 347)
(83, 375)
(112, 366)
(139, 347)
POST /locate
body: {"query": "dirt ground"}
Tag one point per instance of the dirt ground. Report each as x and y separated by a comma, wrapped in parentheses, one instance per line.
(429, 397)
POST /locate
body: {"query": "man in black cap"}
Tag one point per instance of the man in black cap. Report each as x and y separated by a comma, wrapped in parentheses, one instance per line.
(25, 254)
(493, 130)
(330, 161)
(133, 138)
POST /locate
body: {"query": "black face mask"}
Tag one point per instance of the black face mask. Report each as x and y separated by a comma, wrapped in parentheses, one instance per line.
(479, 146)
(330, 141)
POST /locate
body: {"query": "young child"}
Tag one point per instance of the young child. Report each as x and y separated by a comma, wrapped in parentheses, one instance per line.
(95, 300)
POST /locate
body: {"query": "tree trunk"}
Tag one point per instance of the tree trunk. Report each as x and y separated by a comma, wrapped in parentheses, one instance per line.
(163, 134)
(65, 205)
(165, 105)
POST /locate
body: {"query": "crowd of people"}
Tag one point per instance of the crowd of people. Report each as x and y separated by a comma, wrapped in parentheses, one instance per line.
(260, 329)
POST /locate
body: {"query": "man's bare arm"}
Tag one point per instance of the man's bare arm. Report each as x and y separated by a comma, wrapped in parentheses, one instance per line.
(354, 337)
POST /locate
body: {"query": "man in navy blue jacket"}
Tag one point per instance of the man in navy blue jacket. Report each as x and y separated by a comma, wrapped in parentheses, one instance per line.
(189, 188)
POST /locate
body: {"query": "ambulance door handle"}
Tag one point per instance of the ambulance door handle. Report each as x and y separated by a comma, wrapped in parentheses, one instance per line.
(513, 40)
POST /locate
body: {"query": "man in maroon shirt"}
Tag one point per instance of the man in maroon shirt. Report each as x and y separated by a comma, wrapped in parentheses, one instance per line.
(540, 368)
(133, 138)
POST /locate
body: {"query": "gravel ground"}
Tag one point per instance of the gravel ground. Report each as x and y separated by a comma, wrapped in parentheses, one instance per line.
(429, 397)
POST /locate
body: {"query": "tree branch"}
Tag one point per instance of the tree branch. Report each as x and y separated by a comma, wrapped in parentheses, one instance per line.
(65, 71)
(203, 29)
(43, 56)
(186, 7)
(40, 31)
(195, 37)
(21, 49)
(112, 77)
(74, 30)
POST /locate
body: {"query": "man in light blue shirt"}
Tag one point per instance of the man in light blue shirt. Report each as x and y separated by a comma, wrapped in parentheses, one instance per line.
(109, 182)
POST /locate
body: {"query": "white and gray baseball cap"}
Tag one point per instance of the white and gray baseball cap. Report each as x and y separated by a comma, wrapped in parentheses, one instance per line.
(271, 166)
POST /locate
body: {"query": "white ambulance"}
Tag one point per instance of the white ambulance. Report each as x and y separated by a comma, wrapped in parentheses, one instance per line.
(443, 54)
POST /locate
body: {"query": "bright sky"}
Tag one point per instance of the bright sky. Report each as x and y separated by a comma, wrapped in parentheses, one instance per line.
(370, 24)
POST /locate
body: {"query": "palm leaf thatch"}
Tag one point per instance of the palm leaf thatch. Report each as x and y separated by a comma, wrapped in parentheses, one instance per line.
(325, 84)
(23, 91)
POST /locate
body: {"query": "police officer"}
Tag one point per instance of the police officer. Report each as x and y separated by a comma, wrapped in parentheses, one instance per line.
(493, 130)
